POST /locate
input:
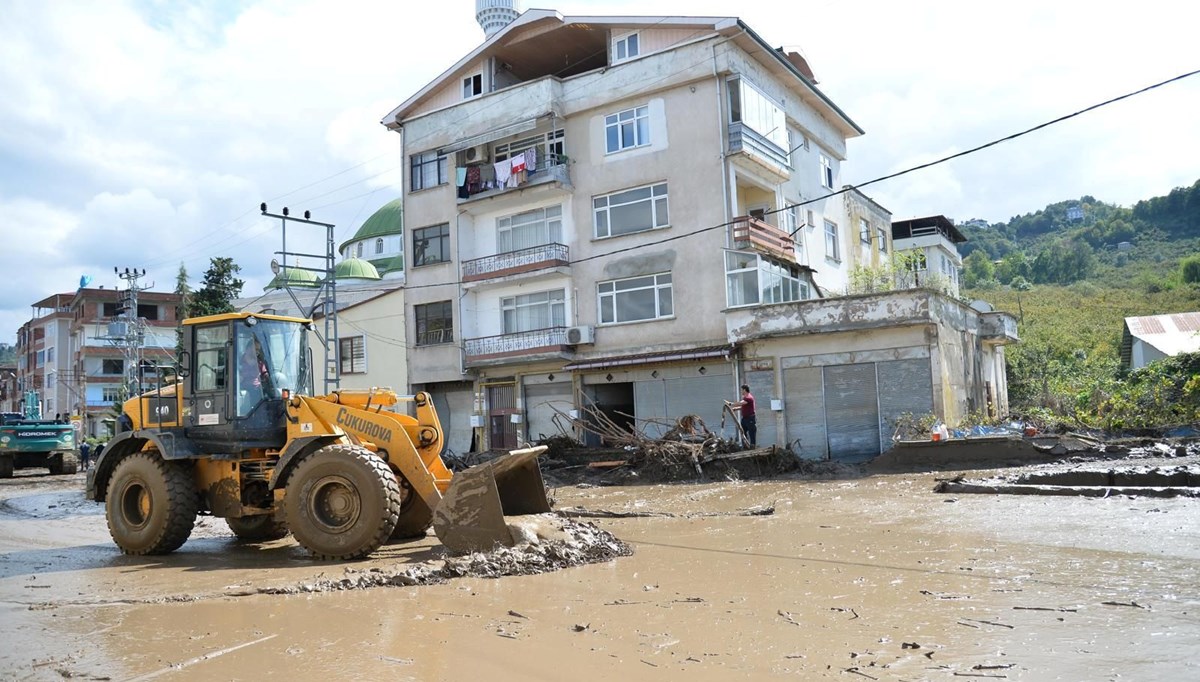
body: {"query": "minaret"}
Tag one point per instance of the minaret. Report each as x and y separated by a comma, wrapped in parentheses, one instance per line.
(494, 15)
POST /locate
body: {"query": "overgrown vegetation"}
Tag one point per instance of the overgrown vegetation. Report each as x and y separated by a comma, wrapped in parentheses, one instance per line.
(1071, 273)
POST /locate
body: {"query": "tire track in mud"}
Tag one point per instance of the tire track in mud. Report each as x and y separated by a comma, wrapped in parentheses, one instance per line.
(576, 545)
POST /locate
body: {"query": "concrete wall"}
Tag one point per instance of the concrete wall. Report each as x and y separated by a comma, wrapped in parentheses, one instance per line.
(381, 321)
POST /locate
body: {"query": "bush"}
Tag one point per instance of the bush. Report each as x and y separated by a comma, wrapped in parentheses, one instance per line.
(1189, 269)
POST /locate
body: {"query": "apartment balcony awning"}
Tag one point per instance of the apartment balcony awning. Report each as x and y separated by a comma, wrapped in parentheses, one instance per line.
(702, 353)
(493, 134)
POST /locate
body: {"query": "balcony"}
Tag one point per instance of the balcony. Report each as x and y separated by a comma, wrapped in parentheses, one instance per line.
(748, 142)
(553, 178)
(537, 344)
(761, 236)
(516, 262)
(998, 328)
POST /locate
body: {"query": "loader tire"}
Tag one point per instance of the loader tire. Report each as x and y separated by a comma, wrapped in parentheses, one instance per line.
(63, 463)
(151, 504)
(415, 516)
(342, 502)
(6, 466)
(260, 528)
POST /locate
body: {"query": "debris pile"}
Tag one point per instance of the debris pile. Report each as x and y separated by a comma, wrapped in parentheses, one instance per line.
(685, 445)
(551, 542)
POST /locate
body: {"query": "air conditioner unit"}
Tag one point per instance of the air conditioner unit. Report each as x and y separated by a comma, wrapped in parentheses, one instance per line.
(578, 335)
(477, 154)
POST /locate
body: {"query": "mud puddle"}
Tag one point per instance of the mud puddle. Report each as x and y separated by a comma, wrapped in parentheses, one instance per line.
(847, 579)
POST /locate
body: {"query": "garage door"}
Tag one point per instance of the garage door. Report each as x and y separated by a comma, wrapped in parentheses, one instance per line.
(851, 411)
(762, 386)
(650, 407)
(804, 410)
(454, 407)
(541, 401)
(704, 396)
(904, 386)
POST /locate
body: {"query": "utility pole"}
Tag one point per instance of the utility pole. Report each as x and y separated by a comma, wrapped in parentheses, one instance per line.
(129, 333)
(325, 301)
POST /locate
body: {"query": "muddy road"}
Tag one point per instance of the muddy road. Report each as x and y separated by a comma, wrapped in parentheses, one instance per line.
(861, 578)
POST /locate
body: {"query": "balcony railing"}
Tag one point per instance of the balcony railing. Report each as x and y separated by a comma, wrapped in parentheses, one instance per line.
(432, 337)
(515, 262)
(552, 169)
(752, 233)
(742, 138)
(547, 340)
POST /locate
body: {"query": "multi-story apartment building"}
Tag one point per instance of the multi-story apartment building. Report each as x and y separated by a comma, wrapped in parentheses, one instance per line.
(928, 248)
(588, 200)
(67, 352)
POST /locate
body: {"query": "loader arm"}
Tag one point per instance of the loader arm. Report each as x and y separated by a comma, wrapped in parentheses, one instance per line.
(411, 446)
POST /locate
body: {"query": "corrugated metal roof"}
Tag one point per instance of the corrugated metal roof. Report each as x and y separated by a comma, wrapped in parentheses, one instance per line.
(1172, 333)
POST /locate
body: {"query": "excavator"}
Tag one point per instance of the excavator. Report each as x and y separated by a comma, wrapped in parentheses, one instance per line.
(237, 432)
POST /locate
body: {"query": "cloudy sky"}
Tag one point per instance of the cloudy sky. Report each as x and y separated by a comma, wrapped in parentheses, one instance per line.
(144, 133)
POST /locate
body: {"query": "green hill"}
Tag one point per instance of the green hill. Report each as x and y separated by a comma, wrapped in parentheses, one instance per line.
(1072, 272)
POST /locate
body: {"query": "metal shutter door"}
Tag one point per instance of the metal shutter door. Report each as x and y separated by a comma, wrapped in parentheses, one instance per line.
(541, 401)
(454, 410)
(904, 386)
(650, 402)
(703, 396)
(804, 411)
(852, 411)
(762, 386)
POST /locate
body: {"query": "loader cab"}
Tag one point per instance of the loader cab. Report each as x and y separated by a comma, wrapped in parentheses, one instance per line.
(241, 368)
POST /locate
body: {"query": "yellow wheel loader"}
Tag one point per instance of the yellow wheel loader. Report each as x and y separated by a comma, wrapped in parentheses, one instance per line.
(239, 434)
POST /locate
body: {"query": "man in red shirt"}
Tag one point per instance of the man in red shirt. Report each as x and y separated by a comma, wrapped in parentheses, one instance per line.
(749, 422)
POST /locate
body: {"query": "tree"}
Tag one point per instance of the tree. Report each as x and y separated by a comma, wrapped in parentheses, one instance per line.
(977, 268)
(1189, 269)
(221, 287)
(184, 291)
(1013, 265)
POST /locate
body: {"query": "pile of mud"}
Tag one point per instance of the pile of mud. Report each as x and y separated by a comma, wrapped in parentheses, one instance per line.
(548, 542)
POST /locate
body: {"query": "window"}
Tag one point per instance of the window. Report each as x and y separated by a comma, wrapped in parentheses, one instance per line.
(916, 262)
(751, 279)
(633, 210)
(358, 250)
(50, 355)
(51, 378)
(627, 129)
(625, 47)
(882, 233)
(379, 245)
(473, 86)
(529, 229)
(826, 172)
(636, 298)
(548, 145)
(112, 367)
(40, 359)
(864, 231)
(533, 311)
(431, 245)
(812, 220)
(435, 323)
(352, 354)
(752, 108)
(110, 394)
(832, 249)
(109, 309)
(429, 170)
(148, 311)
(211, 350)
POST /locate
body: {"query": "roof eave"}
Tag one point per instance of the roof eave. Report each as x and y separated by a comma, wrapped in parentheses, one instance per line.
(802, 78)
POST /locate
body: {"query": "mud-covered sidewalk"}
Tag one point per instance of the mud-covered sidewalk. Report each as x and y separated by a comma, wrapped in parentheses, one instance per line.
(858, 576)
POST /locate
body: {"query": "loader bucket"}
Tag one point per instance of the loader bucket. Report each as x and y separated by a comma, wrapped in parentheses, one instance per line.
(470, 517)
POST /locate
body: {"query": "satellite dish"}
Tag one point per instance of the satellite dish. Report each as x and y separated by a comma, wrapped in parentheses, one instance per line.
(274, 266)
(982, 306)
